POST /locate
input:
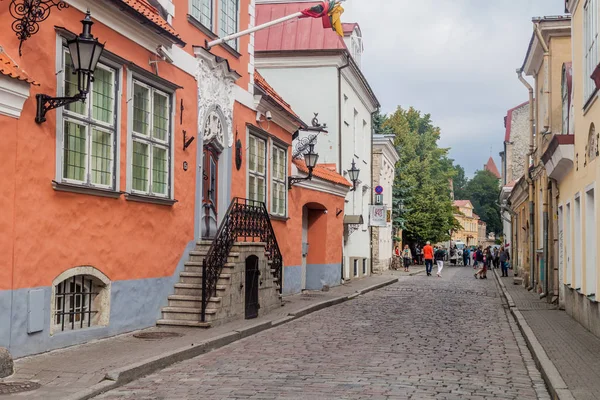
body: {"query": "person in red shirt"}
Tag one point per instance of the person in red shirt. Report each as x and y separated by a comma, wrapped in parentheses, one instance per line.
(428, 256)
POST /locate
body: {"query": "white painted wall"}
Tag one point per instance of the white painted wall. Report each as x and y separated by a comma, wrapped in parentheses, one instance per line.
(356, 145)
(309, 90)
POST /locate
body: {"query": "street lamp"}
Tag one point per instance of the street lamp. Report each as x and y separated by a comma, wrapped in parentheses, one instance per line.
(353, 175)
(85, 52)
(310, 159)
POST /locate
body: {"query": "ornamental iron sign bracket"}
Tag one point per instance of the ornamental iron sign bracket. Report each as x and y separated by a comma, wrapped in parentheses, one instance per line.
(28, 14)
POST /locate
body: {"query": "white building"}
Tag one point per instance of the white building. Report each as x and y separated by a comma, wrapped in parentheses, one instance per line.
(385, 158)
(317, 71)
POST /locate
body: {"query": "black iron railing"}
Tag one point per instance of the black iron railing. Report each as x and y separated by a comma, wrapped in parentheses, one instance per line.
(245, 221)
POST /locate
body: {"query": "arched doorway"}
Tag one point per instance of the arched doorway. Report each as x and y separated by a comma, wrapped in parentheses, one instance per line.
(252, 276)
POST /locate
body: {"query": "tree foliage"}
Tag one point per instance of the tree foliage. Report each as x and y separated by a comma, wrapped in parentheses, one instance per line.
(422, 204)
(483, 191)
(460, 183)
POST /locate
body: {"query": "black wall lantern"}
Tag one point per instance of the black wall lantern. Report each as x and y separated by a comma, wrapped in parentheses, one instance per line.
(353, 175)
(85, 52)
(310, 159)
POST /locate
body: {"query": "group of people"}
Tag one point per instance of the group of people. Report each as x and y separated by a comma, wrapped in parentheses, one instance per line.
(485, 259)
(429, 254)
(490, 258)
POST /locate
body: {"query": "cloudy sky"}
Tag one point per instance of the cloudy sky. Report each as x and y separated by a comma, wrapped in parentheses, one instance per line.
(454, 59)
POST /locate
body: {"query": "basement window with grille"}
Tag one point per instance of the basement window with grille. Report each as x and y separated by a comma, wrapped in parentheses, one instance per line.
(80, 301)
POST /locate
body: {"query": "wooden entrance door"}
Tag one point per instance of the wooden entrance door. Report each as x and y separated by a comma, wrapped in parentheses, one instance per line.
(252, 274)
(210, 194)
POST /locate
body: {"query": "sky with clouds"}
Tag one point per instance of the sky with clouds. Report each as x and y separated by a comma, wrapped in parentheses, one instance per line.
(453, 59)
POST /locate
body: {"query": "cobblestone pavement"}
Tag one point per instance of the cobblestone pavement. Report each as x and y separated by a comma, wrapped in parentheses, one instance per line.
(424, 338)
(573, 349)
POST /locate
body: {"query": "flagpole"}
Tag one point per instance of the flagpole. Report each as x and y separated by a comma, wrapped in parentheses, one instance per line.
(234, 36)
(252, 30)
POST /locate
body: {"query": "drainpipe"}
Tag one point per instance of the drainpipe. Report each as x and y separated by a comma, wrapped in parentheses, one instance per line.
(555, 235)
(372, 189)
(528, 175)
(547, 129)
(340, 123)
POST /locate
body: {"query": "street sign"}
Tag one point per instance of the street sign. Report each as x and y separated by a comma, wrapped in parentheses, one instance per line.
(379, 199)
(377, 216)
(379, 189)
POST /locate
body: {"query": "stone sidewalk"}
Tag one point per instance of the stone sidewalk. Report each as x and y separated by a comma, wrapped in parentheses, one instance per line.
(562, 341)
(79, 372)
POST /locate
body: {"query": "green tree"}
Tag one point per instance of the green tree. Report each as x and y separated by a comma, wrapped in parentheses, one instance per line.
(483, 191)
(460, 183)
(422, 202)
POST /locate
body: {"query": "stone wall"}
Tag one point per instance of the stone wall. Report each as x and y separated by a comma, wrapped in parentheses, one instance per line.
(519, 143)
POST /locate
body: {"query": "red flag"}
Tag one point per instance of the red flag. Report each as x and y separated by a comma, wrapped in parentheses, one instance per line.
(318, 11)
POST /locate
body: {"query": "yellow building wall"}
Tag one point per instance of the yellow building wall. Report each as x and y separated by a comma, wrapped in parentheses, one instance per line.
(582, 177)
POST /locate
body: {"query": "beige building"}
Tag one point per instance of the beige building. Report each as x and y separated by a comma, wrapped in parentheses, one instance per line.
(469, 234)
(533, 199)
(385, 158)
(571, 159)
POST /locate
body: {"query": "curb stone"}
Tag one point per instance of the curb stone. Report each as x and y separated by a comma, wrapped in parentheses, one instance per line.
(556, 385)
(131, 372)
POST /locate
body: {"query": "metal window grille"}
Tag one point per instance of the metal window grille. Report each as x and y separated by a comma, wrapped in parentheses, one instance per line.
(74, 298)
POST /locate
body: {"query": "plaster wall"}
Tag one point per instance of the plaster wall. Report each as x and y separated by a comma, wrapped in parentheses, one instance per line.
(308, 91)
(382, 237)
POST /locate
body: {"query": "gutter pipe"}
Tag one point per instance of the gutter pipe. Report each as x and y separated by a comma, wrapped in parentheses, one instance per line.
(528, 176)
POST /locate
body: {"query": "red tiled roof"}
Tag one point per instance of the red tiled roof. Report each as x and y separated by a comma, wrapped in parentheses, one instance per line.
(268, 89)
(349, 27)
(145, 9)
(12, 70)
(508, 121)
(324, 172)
(299, 34)
(491, 167)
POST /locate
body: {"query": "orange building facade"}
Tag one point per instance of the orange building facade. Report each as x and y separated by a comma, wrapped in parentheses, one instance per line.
(104, 201)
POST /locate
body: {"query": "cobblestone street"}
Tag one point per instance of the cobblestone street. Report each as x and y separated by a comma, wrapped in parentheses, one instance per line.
(423, 338)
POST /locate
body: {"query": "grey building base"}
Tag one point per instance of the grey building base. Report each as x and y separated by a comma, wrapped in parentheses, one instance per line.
(583, 310)
(6, 363)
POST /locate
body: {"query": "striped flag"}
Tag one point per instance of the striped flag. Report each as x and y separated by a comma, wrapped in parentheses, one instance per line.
(330, 12)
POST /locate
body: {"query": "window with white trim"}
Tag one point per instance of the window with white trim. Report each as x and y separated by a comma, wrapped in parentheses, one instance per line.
(279, 177)
(228, 19)
(257, 170)
(151, 141)
(202, 10)
(590, 33)
(89, 148)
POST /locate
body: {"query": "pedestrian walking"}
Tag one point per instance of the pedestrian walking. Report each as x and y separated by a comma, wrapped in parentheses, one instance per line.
(418, 253)
(504, 258)
(466, 256)
(480, 261)
(428, 255)
(407, 257)
(496, 258)
(439, 259)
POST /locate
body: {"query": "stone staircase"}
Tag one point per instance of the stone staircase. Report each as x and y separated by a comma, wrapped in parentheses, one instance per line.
(185, 305)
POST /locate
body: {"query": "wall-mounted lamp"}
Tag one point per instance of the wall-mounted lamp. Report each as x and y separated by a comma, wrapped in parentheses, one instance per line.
(353, 175)
(85, 52)
(310, 159)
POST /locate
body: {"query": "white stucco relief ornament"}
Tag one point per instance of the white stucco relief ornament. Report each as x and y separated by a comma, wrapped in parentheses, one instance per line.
(215, 99)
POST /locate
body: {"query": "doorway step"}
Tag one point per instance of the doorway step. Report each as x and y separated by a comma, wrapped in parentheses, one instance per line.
(185, 305)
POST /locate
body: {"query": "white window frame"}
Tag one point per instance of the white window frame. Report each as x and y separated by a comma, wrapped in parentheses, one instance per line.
(590, 49)
(276, 181)
(198, 6)
(255, 173)
(64, 115)
(134, 79)
(216, 15)
(223, 31)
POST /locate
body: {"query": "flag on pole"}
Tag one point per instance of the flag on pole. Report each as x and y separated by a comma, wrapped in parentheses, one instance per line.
(330, 12)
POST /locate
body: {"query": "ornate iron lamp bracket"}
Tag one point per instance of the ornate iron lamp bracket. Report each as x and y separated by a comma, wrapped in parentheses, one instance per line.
(46, 103)
(292, 180)
(28, 14)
